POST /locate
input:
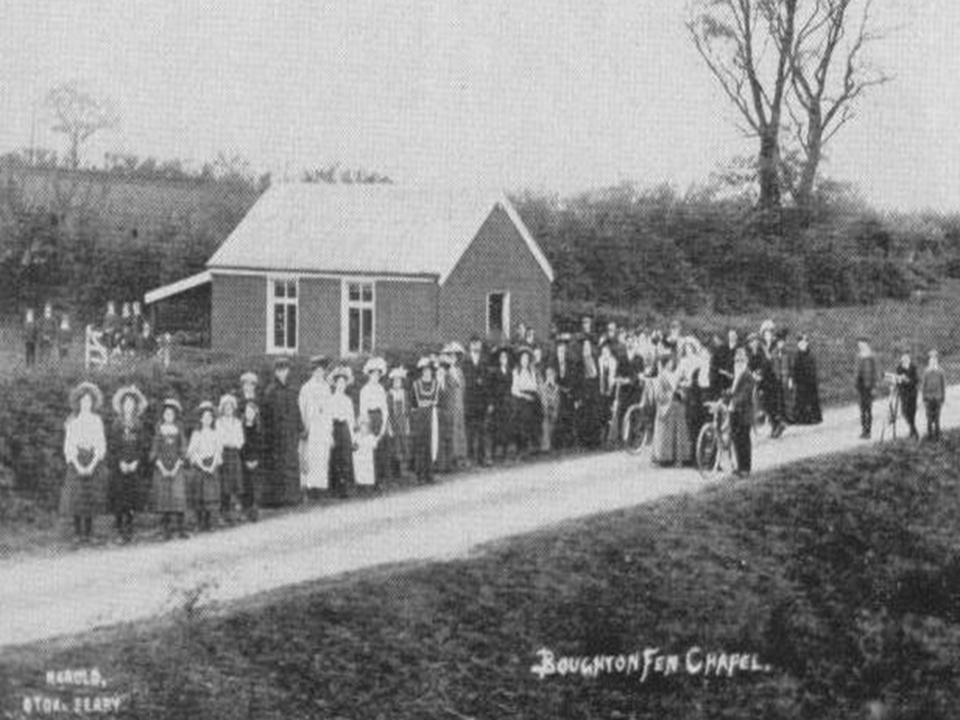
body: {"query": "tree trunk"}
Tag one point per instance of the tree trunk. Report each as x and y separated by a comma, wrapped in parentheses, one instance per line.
(768, 162)
(808, 174)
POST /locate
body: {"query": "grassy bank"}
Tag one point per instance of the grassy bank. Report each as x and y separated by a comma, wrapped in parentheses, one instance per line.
(841, 574)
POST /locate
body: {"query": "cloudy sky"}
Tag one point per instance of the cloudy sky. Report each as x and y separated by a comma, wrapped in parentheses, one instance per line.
(546, 94)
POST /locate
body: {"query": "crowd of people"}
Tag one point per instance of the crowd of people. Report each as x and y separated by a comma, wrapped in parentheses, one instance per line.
(49, 337)
(459, 407)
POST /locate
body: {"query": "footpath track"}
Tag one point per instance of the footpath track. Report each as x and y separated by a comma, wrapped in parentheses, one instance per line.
(60, 595)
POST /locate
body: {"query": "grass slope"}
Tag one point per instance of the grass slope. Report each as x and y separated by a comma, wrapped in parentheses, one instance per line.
(842, 573)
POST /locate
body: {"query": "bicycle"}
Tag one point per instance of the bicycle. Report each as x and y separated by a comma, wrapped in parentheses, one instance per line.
(637, 427)
(893, 407)
(715, 455)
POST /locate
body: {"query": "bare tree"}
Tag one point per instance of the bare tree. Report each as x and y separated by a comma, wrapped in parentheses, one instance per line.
(78, 114)
(828, 75)
(739, 40)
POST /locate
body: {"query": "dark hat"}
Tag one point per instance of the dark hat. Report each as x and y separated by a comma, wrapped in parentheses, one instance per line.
(172, 403)
(563, 338)
(319, 361)
(281, 362)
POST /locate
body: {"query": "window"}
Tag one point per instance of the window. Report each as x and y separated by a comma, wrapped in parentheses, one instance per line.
(282, 310)
(498, 313)
(359, 316)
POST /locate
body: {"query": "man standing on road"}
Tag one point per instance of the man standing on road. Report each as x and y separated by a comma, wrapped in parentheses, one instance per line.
(741, 411)
(865, 375)
(934, 392)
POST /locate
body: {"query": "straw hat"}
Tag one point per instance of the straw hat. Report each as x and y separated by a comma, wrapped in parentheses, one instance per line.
(86, 388)
(424, 362)
(398, 372)
(172, 403)
(249, 378)
(766, 325)
(227, 400)
(375, 364)
(454, 348)
(319, 361)
(341, 371)
(281, 362)
(204, 406)
(132, 391)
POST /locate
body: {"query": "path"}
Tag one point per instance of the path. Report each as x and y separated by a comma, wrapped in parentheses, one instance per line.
(48, 597)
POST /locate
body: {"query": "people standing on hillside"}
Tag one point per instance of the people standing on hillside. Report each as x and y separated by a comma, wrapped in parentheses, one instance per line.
(111, 327)
(138, 319)
(284, 427)
(127, 331)
(398, 424)
(83, 494)
(423, 421)
(316, 438)
(229, 429)
(31, 334)
(865, 380)
(205, 454)
(908, 381)
(168, 454)
(806, 407)
(934, 393)
(253, 455)
(742, 411)
(64, 337)
(49, 327)
(373, 409)
(343, 416)
(476, 401)
(128, 448)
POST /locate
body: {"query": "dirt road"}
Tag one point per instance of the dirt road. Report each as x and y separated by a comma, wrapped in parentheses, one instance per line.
(48, 597)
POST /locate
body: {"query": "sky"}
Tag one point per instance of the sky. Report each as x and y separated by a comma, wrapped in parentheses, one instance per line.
(548, 95)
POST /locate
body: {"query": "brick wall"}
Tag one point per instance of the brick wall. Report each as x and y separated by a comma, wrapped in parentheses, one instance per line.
(319, 316)
(405, 314)
(497, 260)
(239, 314)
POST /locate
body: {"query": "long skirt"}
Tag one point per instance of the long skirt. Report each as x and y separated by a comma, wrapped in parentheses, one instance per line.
(381, 454)
(169, 493)
(671, 436)
(341, 457)
(589, 424)
(231, 473)
(315, 456)
(250, 497)
(500, 424)
(527, 416)
(398, 446)
(124, 492)
(84, 495)
(204, 490)
(423, 431)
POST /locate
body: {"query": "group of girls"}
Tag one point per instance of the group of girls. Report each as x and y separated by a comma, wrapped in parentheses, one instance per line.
(212, 472)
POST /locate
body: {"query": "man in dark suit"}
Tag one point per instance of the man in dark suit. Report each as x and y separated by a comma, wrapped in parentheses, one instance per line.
(476, 400)
(567, 380)
(721, 364)
(741, 410)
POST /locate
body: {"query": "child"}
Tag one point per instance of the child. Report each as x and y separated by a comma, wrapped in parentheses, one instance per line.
(252, 455)
(206, 456)
(363, 466)
(167, 454)
(398, 425)
(230, 433)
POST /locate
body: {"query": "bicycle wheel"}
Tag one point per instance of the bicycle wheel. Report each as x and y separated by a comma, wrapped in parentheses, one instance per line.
(707, 451)
(636, 429)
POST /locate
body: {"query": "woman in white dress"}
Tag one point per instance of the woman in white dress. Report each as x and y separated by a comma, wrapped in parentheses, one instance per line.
(84, 448)
(373, 410)
(314, 401)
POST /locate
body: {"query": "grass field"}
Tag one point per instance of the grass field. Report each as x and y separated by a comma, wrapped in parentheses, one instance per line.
(841, 575)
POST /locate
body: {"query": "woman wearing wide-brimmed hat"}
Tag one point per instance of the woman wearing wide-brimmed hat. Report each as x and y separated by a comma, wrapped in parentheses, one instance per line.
(423, 421)
(398, 423)
(373, 408)
(500, 388)
(343, 417)
(129, 445)
(527, 411)
(455, 402)
(168, 454)
(85, 449)
(205, 454)
(229, 430)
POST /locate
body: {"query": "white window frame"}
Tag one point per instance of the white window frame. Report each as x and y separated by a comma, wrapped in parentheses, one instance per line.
(272, 301)
(506, 311)
(346, 305)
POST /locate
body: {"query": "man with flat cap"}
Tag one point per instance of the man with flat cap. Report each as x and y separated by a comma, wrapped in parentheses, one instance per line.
(283, 427)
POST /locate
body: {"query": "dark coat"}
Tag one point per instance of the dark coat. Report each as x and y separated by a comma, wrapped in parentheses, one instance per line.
(741, 401)
(807, 405)
(476, 387)
(283, 426)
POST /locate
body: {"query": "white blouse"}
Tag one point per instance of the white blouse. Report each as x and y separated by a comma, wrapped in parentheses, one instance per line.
(341, 408)
(373, 396)
(230, 432)
(84, 431)
(204, 444)
(524, 382)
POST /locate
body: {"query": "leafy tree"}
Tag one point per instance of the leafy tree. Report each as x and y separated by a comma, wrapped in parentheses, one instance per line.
(79, 114)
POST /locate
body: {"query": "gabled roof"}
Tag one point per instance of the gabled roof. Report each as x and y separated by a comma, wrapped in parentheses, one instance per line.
(175, 288)
(363, 229)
